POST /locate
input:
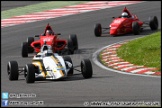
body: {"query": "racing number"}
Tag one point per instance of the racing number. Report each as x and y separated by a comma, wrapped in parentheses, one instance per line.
(47, 39)
(117, 21)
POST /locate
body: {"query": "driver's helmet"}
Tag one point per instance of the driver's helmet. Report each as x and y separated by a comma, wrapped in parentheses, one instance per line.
(124, 15)
(48, 53)
(48, 32)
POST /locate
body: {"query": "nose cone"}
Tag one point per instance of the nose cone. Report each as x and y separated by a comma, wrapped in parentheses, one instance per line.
(113, 31)
(116, 26)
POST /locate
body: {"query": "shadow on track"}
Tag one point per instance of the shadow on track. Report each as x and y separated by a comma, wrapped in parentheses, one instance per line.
(144, 32)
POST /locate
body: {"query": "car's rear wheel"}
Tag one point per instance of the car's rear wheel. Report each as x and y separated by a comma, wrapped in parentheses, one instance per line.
(12, 70)
(73, 37)
(135, 28)
(24, 50)
(98, 30)
(70, 46)
(153, 23)
(67, 58)
(29, 41)
(86, 68)
(30, 73)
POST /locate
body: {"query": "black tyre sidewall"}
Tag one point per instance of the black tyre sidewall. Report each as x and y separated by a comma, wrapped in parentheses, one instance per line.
(70, 46)
(86, 68)
(73, 37)
(98, 30)
(24, 49)
(153, 23)
(29, 41)
(135, 28)
(30, 77)
(12, 69)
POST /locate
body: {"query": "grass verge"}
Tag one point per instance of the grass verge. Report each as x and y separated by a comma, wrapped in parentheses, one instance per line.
(143, 51)
(37, 8)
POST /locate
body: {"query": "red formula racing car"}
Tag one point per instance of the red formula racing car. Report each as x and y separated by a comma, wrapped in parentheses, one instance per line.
(126, 23)
(60, 46)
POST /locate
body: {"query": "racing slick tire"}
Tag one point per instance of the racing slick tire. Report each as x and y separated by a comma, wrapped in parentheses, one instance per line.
(73, 37)
(70, 46)
(86, 68)
(135, 28)
(12, 69)
(24, 50)
(67, 58)
(30, 73)
(98, 30)
(29, 41)
(153, 23)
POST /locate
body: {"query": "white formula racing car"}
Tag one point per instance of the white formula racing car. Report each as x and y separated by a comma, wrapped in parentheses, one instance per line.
(48, 65)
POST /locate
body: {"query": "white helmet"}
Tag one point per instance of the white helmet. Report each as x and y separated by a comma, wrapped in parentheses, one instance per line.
(49, 32)
(124, 15)
(48, 53)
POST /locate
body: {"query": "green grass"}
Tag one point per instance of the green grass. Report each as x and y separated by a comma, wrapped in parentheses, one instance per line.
(37, 8)
(143, 51)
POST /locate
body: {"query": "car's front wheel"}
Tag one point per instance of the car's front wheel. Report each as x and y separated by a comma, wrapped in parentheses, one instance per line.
(98, 30)
(30, 73)
(12, 69)
(86, 68)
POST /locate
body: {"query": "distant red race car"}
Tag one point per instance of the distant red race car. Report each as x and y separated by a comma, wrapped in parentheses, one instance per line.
(126, 23)
(60, 46)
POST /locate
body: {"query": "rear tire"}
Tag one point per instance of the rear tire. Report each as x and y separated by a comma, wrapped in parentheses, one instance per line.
(24, 50)
(153, 23)
(73, 37)
(70, 46)
(29, 41)
(67, 58)
(30, 73)
(135, 28)
(12, 69)
(98, 30)
(86, 68)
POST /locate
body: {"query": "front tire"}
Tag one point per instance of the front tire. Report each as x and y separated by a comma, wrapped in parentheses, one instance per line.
(67, 58)
(98, 30)
(12, 69)
(86, 68)
(135, 28)
(30, 73)
(24, 50)
(153, 23)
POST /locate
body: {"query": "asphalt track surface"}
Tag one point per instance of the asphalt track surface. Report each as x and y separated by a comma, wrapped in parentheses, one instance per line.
(105, 85)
